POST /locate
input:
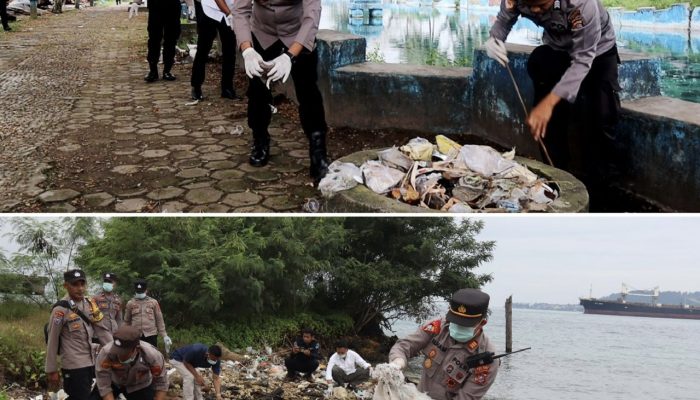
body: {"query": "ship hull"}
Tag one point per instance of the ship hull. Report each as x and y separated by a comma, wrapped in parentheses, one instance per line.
(592, 306)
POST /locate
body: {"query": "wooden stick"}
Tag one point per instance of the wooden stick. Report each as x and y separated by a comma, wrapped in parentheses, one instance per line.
(522, 102)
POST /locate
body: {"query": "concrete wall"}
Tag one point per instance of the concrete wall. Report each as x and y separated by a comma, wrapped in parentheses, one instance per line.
(695, 19)
(675, 17)
(482, 101)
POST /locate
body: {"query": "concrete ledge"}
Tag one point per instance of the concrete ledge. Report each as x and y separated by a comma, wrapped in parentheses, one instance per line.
(361, 199)
(656, 151)
(695, 20)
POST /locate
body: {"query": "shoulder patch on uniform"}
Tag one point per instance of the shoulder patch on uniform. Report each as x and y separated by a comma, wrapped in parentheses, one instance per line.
(106, 364)
(432, 328)
(58, 314)
(156, 370)
(576, 20)
(481, 375)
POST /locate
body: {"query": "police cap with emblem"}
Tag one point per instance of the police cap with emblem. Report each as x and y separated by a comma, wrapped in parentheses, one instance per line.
(140, 285)
(125, 339)
(468, 307)
(74, 275)
(109, 277)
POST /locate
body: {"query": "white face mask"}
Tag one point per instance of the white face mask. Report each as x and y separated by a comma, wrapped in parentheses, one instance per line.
(130, 360)
(462, 334)
(211, 362)
(343, 357)
(140, 296)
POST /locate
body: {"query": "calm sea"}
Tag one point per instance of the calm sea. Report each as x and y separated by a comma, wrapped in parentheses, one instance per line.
(594, 357)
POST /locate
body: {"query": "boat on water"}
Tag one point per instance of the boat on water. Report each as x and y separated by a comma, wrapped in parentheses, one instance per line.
(638, 309)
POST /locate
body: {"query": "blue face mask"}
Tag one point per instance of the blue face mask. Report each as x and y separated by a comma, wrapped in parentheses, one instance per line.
(107, 286)
(140, 296)
(460, 333)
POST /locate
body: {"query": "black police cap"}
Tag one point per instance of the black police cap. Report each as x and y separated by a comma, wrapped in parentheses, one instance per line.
(468, 307)
(140, 285)
(74, 275)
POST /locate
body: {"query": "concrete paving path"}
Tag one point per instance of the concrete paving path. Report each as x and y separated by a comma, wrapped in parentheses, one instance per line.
(81, 131)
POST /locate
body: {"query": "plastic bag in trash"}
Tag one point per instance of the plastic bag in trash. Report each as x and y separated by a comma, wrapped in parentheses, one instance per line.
(447, 146)
(394, 158)
(391, 385)
(483, 160)
(341, 176)
(380, 178)
(418, 149)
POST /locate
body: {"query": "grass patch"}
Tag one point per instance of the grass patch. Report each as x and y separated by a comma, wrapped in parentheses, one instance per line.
(22, 347)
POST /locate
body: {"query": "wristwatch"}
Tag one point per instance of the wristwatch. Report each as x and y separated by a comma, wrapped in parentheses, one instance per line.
(291, 56)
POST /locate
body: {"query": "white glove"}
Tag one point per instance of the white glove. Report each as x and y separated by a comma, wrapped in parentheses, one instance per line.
(167, 341)
(496, 49)
(398, 363)
(229, 20)
(252, 62)
(190, 12)
(281, 68)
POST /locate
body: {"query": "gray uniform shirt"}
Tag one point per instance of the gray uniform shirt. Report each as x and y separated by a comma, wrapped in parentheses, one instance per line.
(146, 316)
(111, 307)
(71, 337)
(586, 34)
(148, 369)
(442, 377)
(286, 20)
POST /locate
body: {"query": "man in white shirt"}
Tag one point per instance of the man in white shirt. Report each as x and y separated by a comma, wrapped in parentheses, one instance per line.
(346, 366)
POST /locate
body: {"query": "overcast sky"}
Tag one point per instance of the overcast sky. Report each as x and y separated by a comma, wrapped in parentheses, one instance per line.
(556, 259)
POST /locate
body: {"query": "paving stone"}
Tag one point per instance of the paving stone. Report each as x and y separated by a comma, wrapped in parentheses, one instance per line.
(173, 207)
(175, 132)
(198, 185)
(228, 174)
(150, 131)
(126, 151)
(181, 147)
(154, 153)
(210, 148)
(98, 200)
(252, 209)
(203, 196)
(124, 130)
(53, 196)
(280, 203)
(216, 165)
(181, 155)
(233, 185)
(241, 199)
(126, 169)
(290, 167)
(263, 175)
(161, 168)
(299, 153)
(165, 193)
(132, 193)
(130, 205)
(148, 125)
(215, 156)
(192, 173)
(61, 208)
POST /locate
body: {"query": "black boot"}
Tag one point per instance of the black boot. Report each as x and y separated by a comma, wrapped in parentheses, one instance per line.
(6, 28)
(197, 93)
(317, 155)
(230, 94)
(152, 74)
(260, 151)
(167, 76)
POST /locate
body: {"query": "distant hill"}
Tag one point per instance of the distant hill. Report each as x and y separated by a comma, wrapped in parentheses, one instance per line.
(548, 306)
(690, 298)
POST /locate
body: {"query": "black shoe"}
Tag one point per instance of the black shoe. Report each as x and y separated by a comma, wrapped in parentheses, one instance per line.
(230, 94)
(291, 377)
(317, 155)
(151, 77)
(351, 387)
(197, 93)
(6, 28)
(167, 76)
(260, 151)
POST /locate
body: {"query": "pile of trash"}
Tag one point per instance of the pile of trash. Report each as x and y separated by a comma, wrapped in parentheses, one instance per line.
(446, 176)
(261, 375)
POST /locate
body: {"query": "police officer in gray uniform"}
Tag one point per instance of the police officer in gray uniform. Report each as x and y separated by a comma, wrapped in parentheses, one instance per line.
(576, 64)
(446, 344)
(73, 323)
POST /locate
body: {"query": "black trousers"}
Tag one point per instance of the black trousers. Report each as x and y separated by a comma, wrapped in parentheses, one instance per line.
(119, 2)
(305, 75)
(296, 364)
(78, 382)
(147, 393)
(595, 111)
(163, 26)
(341, 377)
(3, 13)
(152, 340)
(207, 29)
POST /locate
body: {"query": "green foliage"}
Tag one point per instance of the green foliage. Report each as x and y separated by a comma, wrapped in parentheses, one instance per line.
(22, 349)
(375, 55)
(263, 331)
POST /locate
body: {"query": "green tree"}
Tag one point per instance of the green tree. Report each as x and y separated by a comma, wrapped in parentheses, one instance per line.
(392, 268)
(46, 249)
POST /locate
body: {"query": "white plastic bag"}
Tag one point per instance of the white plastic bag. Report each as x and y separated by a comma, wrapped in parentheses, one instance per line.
(341, 176)
(380, 178)
(418, 149)
(391, 385)
(394, 158)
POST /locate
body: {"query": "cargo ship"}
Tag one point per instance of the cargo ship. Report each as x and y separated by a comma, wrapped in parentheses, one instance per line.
(636, 309)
